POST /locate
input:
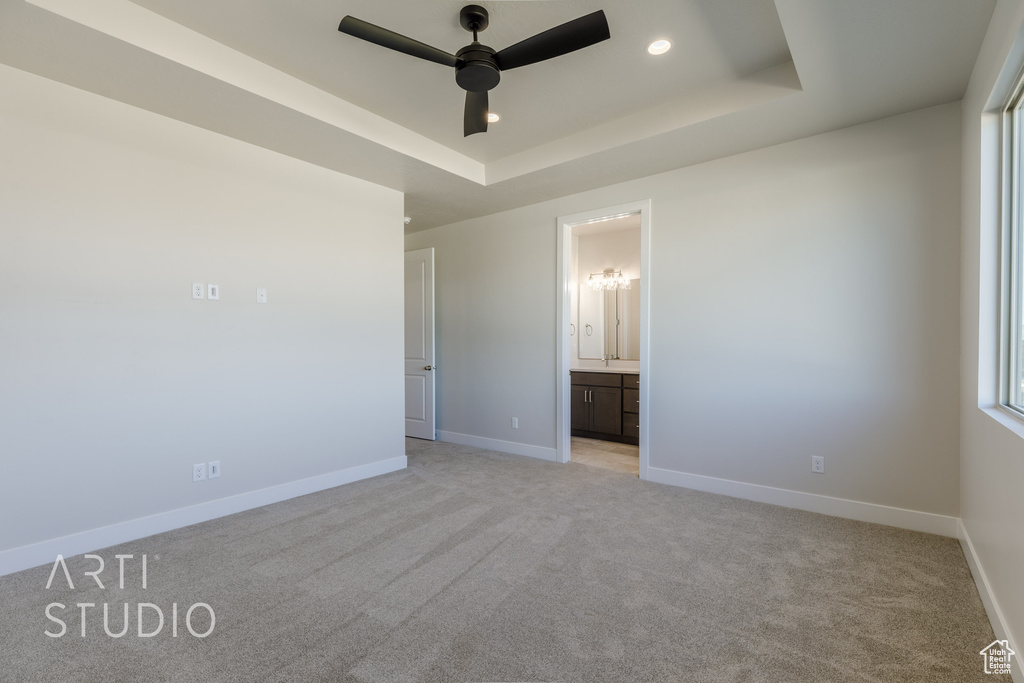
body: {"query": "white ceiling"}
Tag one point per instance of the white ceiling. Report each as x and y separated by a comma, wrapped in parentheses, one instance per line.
(742, 74)
(715, 39)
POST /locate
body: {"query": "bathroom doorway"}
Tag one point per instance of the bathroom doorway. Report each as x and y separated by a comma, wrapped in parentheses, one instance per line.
(604, 314)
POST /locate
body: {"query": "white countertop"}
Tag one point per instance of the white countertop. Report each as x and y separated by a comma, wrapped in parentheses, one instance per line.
(616, 371)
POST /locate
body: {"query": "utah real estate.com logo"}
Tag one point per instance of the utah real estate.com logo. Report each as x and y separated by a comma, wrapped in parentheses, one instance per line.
(997, 657)
(149, 617)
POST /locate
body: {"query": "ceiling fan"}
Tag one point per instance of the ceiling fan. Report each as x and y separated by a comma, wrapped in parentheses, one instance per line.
(478, 67)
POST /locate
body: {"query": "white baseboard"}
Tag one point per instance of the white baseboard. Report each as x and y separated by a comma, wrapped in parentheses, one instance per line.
(512, 447)
(988, 598)
(927, 522)
(44, 552)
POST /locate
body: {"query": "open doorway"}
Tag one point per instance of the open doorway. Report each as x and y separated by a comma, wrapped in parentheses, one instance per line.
(604, 318)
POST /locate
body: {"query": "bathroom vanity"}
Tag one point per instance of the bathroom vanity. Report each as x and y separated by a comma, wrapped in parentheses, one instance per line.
(605, 405)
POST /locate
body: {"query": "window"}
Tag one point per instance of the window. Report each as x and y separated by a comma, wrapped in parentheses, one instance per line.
(1013, 256)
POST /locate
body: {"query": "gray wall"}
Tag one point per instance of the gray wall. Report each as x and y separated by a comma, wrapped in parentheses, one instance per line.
(804, 301)
(113, 381)
(991, 447)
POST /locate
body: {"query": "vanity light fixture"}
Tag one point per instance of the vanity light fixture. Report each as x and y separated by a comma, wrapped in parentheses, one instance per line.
(493, 118)
(659, 47)
(609, 279)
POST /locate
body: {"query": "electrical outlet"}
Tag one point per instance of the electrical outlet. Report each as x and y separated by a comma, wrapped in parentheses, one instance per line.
(199, 472)
(213, 468)
(261, 296)
(198, 290)
(515, 423)
(818, 464)
(213, 292)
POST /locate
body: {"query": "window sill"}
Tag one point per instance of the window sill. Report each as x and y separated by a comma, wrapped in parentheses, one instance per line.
(1006, 417)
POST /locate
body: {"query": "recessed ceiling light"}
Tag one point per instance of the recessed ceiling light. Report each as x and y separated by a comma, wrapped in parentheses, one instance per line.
(659, 47)
(493, 118)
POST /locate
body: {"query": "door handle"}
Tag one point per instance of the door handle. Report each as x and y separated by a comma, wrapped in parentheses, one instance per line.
(428, 367)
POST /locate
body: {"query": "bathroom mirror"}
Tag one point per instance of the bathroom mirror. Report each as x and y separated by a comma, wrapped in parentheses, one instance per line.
(609, 323)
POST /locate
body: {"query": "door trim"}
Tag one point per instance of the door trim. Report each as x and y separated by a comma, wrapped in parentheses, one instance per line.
(563, 306)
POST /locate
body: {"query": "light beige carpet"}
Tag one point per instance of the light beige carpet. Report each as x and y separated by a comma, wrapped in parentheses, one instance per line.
(476, 566)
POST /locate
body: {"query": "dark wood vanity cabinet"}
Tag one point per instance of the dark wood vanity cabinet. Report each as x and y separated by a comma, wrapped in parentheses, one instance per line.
(605, 405)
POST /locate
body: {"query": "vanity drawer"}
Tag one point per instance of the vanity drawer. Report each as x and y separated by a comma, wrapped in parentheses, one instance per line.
(631, 425)
(631, 401)
(597, 379)
(631, 381)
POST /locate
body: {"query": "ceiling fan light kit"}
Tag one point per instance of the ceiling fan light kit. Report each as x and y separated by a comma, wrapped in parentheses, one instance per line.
(478, 67)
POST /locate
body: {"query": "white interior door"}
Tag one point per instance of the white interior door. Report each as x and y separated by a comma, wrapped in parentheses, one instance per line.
(419, 344)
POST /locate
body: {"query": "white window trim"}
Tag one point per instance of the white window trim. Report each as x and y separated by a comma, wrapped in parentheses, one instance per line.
(1011, 260)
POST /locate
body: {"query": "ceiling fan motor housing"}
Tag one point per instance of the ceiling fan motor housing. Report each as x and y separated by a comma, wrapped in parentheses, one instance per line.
(478, 70)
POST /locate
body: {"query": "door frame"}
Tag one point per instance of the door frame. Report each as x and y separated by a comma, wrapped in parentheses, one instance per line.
(564, 302)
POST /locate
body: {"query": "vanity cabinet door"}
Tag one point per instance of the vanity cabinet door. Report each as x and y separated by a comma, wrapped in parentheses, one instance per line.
(579, 408)
(606, 410)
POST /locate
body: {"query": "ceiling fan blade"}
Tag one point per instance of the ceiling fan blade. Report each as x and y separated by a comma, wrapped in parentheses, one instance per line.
(475, 118)
(569, 37)
(395, 41)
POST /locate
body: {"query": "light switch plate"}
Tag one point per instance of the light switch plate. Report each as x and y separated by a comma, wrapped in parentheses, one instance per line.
(213, 292)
